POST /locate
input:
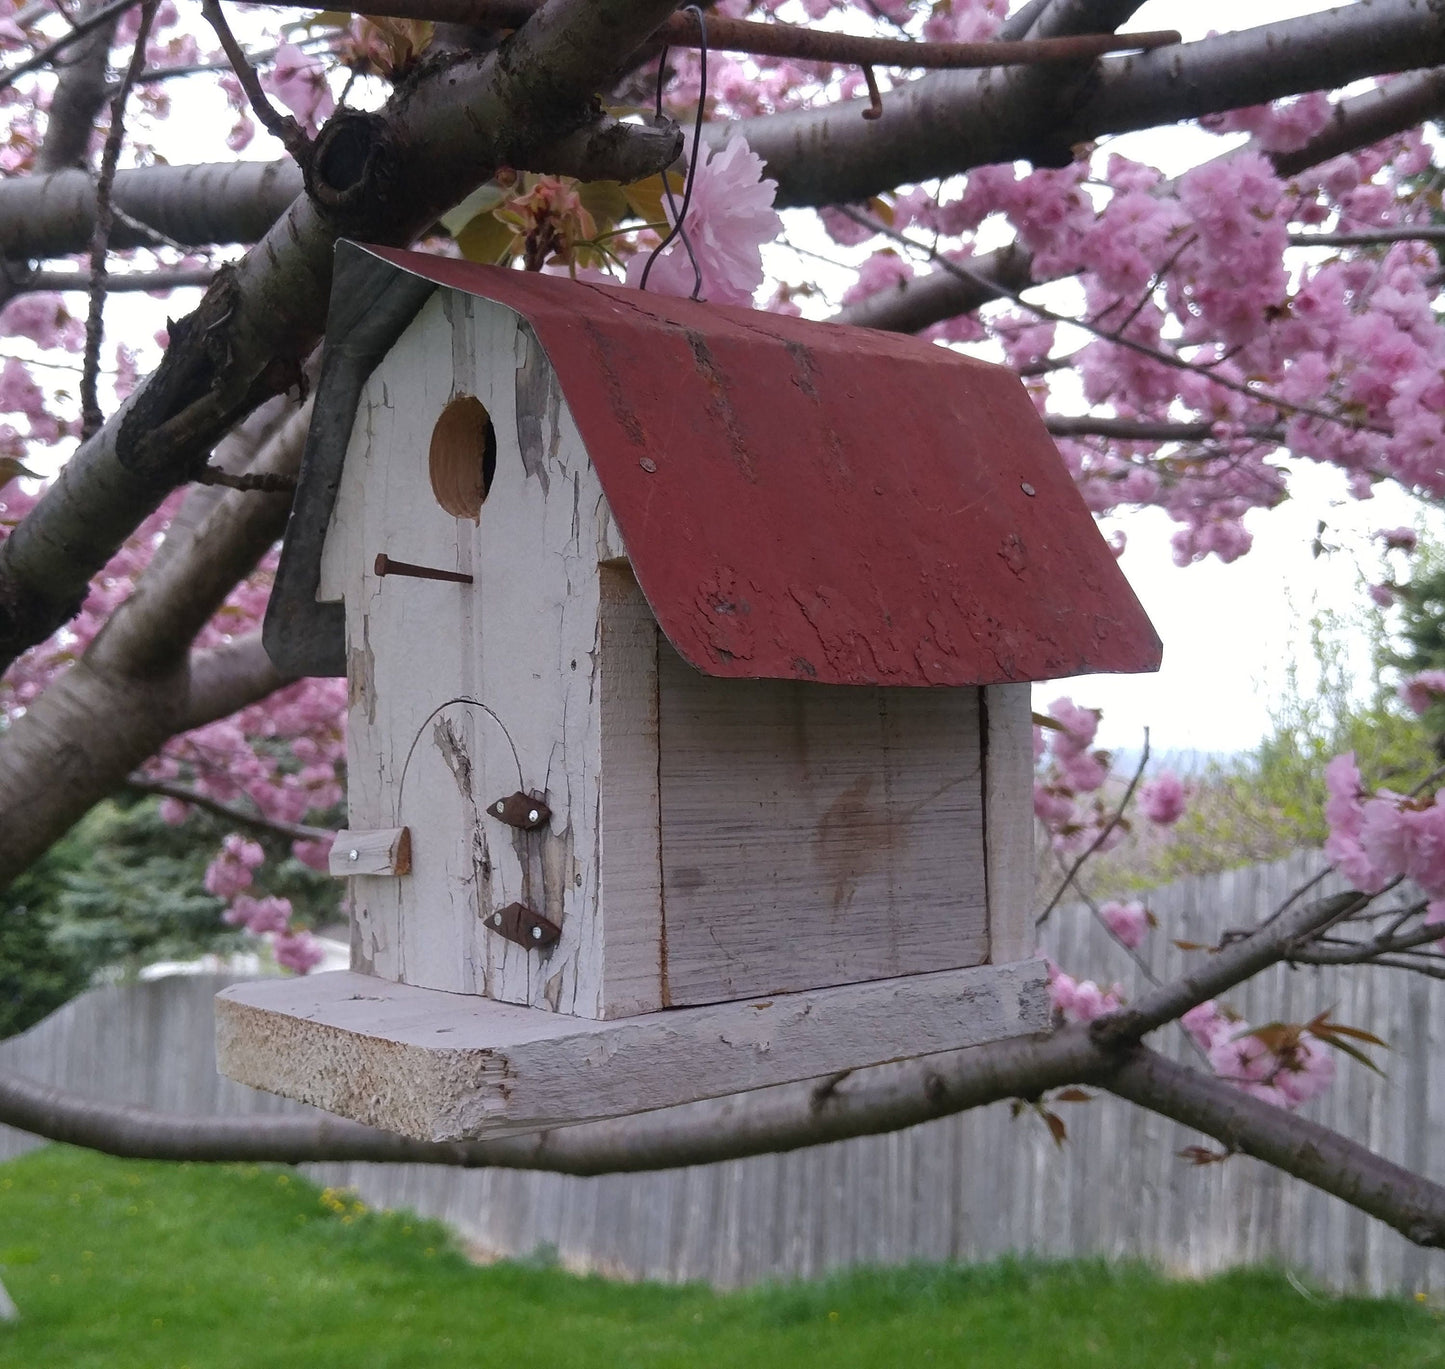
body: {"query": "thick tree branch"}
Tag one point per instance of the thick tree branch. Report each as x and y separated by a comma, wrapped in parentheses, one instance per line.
(226, 202)
(80, 91)
(135, 687)
(1400, 1198)
(226, 678)
(947, 122)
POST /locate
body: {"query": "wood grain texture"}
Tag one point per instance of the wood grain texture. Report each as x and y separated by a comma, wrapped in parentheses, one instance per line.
(1008, 787)
(447, 1068)
(463, 694)
(629, 830)
(816, 834)
(387, 852)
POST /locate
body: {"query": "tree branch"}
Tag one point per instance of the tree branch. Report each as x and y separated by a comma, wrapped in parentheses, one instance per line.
(241, 817)
(107, 14)
(80, 91)
(1409, 1202)
(1231, 965)
(179, 278)
(211, 203)
(788, 1117)
(90, 415)
(1356, 122)
(1072, 873)
(947, 122)
(281, 126)
(1420, 232)
(796, 42)
(226, 678)
(1147, 430)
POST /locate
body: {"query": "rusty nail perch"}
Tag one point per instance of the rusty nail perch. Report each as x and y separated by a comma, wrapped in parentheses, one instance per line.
(386, 566)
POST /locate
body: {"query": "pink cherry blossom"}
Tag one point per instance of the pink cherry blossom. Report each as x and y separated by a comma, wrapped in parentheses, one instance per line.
(299, 82)
(1208, 1025)
(299, 952)
(1129, 922)
(1398, 539)
(1162, 800)
(729, 218)
(1420, 691)
(1080, 1000)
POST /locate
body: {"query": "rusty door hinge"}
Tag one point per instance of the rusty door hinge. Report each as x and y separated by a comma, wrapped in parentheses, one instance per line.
(518, 810)
(519, 923)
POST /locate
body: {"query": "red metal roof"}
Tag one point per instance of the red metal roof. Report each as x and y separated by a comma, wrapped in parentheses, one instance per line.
(811, 501)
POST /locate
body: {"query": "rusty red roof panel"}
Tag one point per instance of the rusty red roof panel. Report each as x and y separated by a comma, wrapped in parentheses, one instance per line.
(811, 501)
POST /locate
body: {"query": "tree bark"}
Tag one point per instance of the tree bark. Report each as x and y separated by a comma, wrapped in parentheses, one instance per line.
(947, 122)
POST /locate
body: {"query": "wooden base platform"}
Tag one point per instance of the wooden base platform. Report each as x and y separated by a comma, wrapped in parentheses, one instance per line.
(449, 1067)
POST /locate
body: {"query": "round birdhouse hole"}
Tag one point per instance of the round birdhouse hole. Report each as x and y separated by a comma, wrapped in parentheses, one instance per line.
(463, 457)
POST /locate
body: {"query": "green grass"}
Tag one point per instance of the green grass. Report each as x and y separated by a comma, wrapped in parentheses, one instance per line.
(125, 1265)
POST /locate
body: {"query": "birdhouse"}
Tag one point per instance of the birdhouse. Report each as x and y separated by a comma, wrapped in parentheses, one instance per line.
(688, 652)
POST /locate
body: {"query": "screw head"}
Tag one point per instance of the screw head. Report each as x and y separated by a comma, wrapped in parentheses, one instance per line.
(533, 815)
(499, 807)
(496, 919)
(1027, 489)
(353, 854)
(536, 933)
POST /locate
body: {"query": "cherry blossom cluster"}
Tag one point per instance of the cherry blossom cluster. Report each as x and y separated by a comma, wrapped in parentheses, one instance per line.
(1070, 778)
(1378, 838)
(1285, 1067)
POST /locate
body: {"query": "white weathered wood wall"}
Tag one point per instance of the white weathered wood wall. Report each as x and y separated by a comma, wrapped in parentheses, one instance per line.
(963, 1188)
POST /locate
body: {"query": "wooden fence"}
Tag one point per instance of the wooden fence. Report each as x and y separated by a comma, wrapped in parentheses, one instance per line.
(963, 1188)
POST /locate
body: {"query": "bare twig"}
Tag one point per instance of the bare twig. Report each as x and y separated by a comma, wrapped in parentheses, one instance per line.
(292, 831)
(279, 125)
(90, 415)
(1098, 841)
(1367, 237)
(178, 279)
(1179, 363)
(257, 482)
(1145, 430)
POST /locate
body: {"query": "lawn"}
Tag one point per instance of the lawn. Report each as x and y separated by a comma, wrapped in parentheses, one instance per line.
(128, 1265)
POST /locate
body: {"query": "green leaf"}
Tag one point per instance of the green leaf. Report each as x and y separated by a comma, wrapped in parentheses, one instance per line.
(485, 239)
(482, 200)
(645, 197)
(606, 201)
